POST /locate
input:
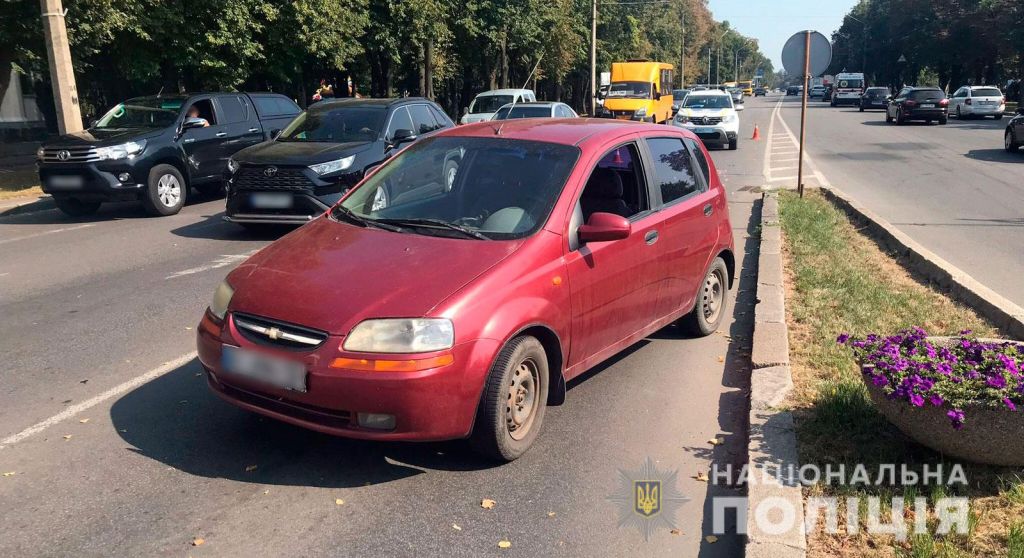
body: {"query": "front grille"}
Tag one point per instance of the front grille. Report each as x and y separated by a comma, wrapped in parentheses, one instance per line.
(85, 154)
(309, 413)
(273, 333)
(284, 179)
(706, 120)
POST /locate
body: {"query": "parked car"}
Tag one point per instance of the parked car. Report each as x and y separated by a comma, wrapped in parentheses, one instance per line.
(737, 95)
(874, 98)
(324, 152)
(918, 103)
(677, 99)
(760, 91)
(463, 313)
(816, 92)
(536, 109)
(1013, 137)
(712, 116)
(151, 149)
(487, 103)
(978, 100)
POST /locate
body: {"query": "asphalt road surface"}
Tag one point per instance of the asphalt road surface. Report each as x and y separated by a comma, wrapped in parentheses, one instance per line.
(118, 449)
(951, 188)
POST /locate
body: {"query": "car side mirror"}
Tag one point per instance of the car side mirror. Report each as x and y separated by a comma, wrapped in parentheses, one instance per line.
(604, 227)
(274, 134)
(403, 135)
(192, 123)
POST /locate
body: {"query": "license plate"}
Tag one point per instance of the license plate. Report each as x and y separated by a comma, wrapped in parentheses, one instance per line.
(277, 372)
(929, 105)
(704, 130)
(65, 181)
(271, 201)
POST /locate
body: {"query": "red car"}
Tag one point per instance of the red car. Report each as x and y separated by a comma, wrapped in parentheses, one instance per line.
(460, 307)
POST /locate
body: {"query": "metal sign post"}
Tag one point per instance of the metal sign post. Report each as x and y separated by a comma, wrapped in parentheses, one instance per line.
(803, 113)
(807, 53)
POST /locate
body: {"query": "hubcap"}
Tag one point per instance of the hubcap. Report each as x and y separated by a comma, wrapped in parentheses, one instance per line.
(521, 402)
(168, 190)
(713, 296)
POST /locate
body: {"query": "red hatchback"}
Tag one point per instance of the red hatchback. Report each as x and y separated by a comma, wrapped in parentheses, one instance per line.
(455, 290)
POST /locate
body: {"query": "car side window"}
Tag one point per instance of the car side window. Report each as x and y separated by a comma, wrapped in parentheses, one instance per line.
(673, 169)
(400, 120)
(616, 185)
(205, 110)
(422, 120)
(234, 109)
(442, 119)
(702, 162)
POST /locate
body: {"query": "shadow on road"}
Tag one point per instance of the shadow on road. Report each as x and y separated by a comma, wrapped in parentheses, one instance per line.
(214, 227)
(110, 211)
(995, 156)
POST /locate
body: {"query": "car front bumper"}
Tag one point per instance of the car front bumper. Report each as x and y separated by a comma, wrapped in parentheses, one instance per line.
(97, 181)
(925, 113)
(713, 134)
(433, 404)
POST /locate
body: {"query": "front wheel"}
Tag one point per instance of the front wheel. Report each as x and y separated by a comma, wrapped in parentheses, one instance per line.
(710, 307)
(861, 109)
(732, 144)
(1009, 142)
(165, 191)
(74, 207)
(515, 396)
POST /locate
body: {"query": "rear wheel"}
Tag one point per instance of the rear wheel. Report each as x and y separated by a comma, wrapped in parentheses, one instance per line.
(888, 119)
(165, 192)
(710, 307)
(515, 396)
(959, 115)
(1010, 142)
(899, 117)
(74, 207)
(862, 108)
(943, 120)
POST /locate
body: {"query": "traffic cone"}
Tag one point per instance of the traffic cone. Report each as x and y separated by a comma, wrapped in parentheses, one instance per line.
(757, 133)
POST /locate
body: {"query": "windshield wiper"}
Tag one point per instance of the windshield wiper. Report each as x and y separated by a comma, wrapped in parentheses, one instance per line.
(436, 223)
(348, 215)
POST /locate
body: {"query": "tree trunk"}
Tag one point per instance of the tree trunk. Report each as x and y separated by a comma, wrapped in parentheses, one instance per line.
(504, 62)
(428, 69)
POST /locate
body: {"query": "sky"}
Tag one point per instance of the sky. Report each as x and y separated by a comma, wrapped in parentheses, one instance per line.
(772, 22)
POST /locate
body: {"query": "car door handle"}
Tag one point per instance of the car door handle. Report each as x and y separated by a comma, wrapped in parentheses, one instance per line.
(221, 134)
(189, 140)
(253, 130)
(651, 237)
(708, 210)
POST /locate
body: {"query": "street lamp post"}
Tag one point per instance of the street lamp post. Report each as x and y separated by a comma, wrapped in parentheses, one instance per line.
(718, 67)
(863, 44)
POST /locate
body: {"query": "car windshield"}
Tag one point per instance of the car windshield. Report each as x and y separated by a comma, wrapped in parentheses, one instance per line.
(142, 113)
(488, 103)
(520, 111)
(462, 187)
(708, 101)
(631, 89)
(338, 124)
(679, 94)
(986, 92)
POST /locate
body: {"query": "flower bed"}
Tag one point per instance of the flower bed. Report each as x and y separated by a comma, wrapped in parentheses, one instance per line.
(956, 395)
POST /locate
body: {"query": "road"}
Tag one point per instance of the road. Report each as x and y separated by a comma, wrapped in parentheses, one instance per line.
(118, 448)
(951, 188)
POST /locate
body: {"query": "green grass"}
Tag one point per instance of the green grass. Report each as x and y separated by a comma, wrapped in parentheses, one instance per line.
(1015, 540)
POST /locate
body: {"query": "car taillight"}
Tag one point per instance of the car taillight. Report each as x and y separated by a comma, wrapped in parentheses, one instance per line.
(967, 102)
(910, 103)
(945, 102)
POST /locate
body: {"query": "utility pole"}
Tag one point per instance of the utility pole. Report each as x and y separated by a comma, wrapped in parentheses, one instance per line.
(736, 66)
(593, 57)
(682, 48)
(709, 64)
(62, 73)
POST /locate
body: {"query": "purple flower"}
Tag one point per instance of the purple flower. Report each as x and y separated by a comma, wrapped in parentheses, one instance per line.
(879, 380)
(1009, 404)
(936, 400)
(956, 416)
(996, 381)
(843, 338)
(917, 400)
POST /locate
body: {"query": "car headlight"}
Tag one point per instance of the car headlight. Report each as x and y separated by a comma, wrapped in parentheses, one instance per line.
(232, 165)
(729, 117)
(333, 166)
(642, 111)
(401, 335)
(122, 151)
(221, 299)
(682, 118)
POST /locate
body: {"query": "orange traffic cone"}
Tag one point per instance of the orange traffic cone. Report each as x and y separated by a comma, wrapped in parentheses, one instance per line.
(757, 133)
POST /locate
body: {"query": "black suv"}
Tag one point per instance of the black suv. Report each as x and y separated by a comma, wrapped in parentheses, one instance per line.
(918, 103)
(322, 154)
(154, 148)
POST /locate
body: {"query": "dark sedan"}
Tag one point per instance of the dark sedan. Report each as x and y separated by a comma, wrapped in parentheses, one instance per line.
(874, 98)
(1013, 138)
(926, 104)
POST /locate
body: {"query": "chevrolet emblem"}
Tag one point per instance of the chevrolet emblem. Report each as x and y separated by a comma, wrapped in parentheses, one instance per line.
(274, 333)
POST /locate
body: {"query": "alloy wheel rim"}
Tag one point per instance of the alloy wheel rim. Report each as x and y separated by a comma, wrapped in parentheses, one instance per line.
(168, 190)
(522, 402)
(712, 296)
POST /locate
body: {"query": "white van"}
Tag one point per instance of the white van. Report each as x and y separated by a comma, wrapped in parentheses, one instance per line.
(487, 103)
(848, 89)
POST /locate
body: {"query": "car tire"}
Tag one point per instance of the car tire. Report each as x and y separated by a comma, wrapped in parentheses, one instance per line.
(74, 207)
(165, 191)
(943, 120)
(900, 120)
(861, 109)
(959, 115)
(211, 189)
(712, 301)
(1009, 142)
(732, 144)
(504, 431)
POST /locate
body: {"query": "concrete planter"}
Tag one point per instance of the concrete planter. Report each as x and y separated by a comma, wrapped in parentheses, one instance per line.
(991, 436)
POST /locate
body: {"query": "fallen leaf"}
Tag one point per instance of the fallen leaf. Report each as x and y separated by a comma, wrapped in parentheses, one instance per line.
(267, 491)
(250, 468)
(716, 441)
(85, 381)
(67, 436)
(721, 359)
(83, 421)
(711, 539)
(9, 474)
(676, 532)
(702, 476)
(456, 527)
(551, 514)
(339, 502)
(188, 328)
(487, 503)
(504, 544)
(198, 541)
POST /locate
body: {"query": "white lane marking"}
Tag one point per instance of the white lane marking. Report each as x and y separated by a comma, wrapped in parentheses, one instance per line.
(777, 178)
(766, 170)
(223, 261)
(782, 168)
(89, 403)
(807, 156)
(44, 233)
(5, 274)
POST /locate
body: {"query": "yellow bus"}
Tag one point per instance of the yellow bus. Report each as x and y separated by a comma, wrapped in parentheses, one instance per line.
(640, 90)
(747, 87)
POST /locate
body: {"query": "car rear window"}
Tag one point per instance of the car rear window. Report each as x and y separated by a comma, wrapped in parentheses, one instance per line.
(927, 94)
(523, 112)
(986, 92)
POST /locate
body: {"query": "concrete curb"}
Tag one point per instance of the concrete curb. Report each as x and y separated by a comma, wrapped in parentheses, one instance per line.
(772, 446)
(1003, 313)
(27, 205)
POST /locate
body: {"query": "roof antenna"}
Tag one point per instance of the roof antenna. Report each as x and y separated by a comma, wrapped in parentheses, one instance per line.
(158, 93)
(515, 98)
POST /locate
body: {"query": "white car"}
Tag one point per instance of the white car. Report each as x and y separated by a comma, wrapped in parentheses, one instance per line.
(712, 116)
(816, 91)
(487, 103)
(977, 100)
(539, 109)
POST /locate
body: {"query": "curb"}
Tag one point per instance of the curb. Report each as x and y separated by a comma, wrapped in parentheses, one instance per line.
(28, 205)
(772, 444)
(1003, 313)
